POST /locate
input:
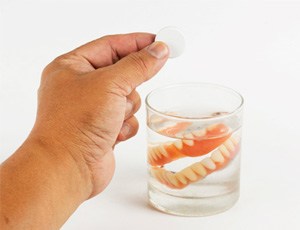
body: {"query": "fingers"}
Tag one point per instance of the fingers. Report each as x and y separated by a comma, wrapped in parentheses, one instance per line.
(133, 104)
(136, 59)
(130, 125)
(129, 129)
(138, 67)
(108, 50)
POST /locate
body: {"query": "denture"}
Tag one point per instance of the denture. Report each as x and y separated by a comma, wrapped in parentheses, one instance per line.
(216, 139)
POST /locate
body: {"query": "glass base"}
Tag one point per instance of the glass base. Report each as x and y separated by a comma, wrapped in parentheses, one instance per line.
(182, 206)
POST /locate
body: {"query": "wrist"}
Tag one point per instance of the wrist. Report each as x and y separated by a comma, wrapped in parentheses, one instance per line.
(69, 164)
(42, 184)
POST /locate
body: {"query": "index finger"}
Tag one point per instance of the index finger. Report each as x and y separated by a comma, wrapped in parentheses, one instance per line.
(109, 49)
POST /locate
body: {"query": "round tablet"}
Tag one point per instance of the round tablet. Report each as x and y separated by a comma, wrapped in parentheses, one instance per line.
(173, 38)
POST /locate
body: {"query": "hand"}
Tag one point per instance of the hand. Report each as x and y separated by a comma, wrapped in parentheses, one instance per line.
(87, 100)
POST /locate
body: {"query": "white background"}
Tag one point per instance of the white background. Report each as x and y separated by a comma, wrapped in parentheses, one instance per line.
(251, 46)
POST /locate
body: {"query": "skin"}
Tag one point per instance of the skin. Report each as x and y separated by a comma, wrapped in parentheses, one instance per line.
(86, 105)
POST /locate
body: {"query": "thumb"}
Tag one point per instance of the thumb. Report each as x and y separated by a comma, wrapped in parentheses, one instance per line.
(138, 67)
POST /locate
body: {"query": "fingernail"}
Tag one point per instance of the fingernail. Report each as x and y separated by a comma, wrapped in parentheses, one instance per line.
(129, 107)
(125, 130)
(158, 50)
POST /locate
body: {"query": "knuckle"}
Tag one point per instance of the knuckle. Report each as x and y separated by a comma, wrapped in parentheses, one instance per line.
(66, 60)
(54, 65)
(72, 62)
(119, 86)
(61, 60)
(135, 126)
(141, 66)
(137, 101)
(138, 104)
(107, 37)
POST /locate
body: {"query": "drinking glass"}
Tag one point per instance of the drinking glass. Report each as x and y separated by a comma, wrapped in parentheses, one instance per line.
(194, 143)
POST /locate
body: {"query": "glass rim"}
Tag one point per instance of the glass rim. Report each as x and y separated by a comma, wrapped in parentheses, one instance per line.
(231, 113)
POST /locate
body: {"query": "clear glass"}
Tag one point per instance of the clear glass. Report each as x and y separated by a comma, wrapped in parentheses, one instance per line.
(194, 136)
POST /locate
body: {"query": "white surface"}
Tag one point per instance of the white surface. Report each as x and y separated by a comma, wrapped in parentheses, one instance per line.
(173, 38)
(251, 46)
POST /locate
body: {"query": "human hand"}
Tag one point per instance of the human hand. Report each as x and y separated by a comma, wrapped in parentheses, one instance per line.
(87, 100)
